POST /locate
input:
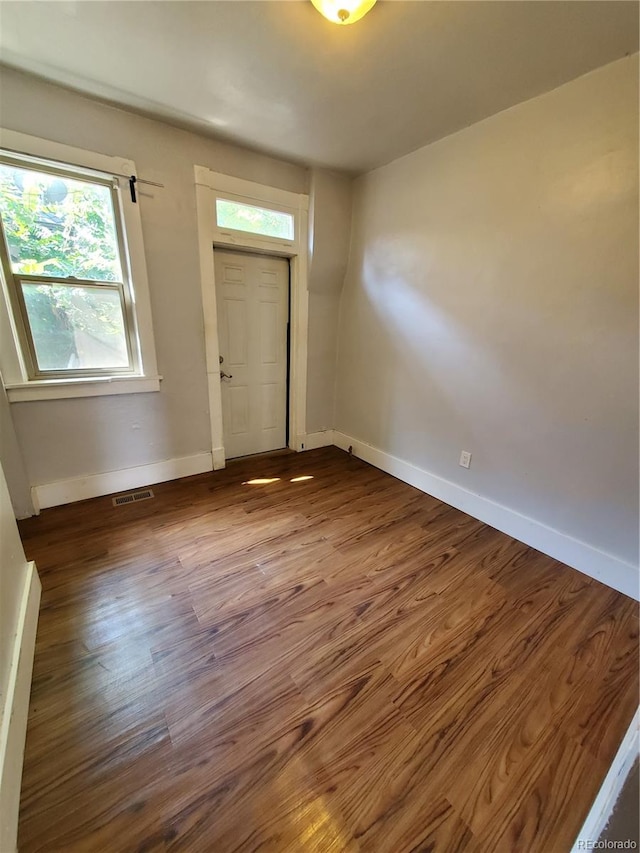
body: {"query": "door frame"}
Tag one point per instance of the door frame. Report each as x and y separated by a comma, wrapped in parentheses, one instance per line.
(209, 186)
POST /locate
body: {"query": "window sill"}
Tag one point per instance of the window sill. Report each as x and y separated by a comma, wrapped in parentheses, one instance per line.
(60, 389)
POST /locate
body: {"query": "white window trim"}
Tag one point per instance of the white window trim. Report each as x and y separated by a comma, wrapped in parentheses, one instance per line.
(209, 186)
(20, 387)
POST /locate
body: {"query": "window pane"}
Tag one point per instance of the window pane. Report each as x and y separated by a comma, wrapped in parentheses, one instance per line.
(58, 226)
(76, 328)
(258, 220)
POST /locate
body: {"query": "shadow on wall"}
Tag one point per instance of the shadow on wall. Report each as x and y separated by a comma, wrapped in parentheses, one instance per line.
(491, 305)
(463, 365)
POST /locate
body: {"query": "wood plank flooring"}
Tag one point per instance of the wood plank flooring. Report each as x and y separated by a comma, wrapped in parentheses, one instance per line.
(331, 664)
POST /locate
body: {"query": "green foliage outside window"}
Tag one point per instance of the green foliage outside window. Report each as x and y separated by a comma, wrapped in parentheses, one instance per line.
(63, 227)
(257, 220)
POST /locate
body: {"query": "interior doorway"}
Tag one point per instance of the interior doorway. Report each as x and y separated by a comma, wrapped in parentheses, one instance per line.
(252, 301)
(211, 188)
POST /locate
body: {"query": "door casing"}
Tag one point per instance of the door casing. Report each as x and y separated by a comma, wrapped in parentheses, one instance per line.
(209, 186)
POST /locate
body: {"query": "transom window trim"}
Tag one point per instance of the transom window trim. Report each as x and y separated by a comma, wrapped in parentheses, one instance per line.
(22, 381)
(241, 191)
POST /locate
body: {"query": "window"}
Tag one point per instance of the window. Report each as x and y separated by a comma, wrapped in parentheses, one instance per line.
(74, 300)
(256, 220)
(65, 259)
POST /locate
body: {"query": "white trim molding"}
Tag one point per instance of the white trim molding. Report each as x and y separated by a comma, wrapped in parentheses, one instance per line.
(596, 564)
(313, 440)
(60, 389)
(95, 485)
(16, 709)
(611, 788)
(210, 185)
(229, 185)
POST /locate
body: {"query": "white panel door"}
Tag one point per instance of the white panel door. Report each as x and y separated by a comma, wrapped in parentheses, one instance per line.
(252, 295)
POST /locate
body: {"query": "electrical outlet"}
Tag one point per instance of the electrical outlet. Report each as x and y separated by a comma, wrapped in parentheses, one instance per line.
(465, 459)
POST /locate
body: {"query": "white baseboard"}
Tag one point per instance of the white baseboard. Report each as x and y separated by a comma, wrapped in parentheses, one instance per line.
(16, 709)
(313, 440)
(219, 459)
(611, 789)
(585, 558)
(579, 555)
(94, 485)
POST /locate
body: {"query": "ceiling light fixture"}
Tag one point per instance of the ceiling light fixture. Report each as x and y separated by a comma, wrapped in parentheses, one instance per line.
(343, 11)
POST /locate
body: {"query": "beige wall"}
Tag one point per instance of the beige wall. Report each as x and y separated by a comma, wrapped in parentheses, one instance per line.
(70, 438)
(330, 229)
(491, 305)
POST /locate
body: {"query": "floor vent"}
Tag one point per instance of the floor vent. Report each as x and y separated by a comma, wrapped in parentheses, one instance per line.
(144, 495)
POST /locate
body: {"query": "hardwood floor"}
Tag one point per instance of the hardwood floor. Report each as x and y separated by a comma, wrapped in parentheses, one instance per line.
(340, 663)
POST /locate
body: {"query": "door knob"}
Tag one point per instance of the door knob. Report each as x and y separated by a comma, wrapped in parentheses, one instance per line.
(224, 375)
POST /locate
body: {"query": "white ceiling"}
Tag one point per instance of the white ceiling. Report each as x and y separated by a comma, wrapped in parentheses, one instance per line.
(277, 77)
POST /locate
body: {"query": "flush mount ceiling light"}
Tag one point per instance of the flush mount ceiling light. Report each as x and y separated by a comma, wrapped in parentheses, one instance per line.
(343, 11)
